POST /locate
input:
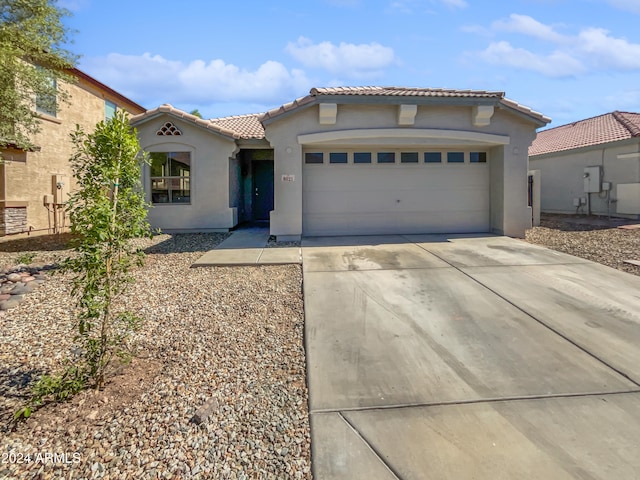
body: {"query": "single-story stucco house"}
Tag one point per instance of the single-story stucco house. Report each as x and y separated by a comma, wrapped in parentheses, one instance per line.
(345, 160)
(591, 166)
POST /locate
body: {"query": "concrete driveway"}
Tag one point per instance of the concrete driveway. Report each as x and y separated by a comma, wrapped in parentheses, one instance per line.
(469, 357)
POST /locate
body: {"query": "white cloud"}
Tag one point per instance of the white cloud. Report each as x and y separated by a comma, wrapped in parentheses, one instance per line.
(556, 64)
(590, 50)
(529, 26)
(355, 61)
(478, 30)
(628, 5)
(607, 51)
(153, 79)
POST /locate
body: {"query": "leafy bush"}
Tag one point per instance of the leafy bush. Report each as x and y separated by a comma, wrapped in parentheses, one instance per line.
(107, 212)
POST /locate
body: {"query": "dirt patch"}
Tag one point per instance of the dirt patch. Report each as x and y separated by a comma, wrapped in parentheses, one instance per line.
(25, 243)
(92, 407)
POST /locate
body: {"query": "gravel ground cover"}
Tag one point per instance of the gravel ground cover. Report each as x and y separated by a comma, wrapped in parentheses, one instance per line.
(593, 238)
(227, 338)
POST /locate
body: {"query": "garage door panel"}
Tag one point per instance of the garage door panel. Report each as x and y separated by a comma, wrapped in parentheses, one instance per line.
(429, 199)
(363, 178)
(372, 199)
(407, 223)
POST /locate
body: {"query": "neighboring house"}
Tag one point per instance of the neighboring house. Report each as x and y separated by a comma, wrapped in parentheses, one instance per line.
(350, 160)
(35, 184)
(591, 166)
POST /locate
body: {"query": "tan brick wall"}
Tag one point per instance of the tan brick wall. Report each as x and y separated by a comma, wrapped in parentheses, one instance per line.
(28, 178)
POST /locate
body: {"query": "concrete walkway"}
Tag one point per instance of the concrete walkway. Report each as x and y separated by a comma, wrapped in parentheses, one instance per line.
(247, 246)
(469, 357)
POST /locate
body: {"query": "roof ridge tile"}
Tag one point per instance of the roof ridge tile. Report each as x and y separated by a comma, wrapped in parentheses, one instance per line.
(633, 128)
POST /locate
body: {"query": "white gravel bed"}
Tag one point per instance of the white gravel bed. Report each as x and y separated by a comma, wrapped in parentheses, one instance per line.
(230, 334)
(590, 238)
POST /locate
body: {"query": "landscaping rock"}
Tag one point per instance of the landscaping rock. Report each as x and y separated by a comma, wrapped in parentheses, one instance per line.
(205, 411)
(21, 289)
(205, 333)
(14, 277)
(9, 304)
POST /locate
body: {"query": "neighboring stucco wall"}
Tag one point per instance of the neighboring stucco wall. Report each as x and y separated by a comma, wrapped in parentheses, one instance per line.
(209, 209)
(562, 176)
(508, 171)
(28, 176)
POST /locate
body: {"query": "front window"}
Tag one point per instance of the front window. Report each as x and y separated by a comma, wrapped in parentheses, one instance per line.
(170, 177)
(109, 110)
(48, 104)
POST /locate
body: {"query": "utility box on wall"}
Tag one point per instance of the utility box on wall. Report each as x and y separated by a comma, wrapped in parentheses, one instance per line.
(60, 188)
(592, 180)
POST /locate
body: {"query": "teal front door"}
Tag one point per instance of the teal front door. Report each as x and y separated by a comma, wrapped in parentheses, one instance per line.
(262, 189)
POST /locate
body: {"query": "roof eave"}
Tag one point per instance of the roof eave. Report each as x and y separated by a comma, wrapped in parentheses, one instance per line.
(525, 113)
(537, 118)
(283, 112)
(202, 124)
(88, 78)
(406, 100)
(596, 146)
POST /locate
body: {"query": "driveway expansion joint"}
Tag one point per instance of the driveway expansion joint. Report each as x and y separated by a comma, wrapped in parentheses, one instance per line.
(541, 322)
(452, 403)
(370, 446)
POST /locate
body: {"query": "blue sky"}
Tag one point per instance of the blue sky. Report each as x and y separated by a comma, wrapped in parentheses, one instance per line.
(569, 59)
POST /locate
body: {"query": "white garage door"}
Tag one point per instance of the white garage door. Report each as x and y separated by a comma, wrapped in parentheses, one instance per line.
(357, 192)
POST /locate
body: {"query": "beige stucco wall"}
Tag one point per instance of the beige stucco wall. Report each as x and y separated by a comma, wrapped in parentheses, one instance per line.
(509, 211)
(211, 207)
(562, 176)
(28, 177)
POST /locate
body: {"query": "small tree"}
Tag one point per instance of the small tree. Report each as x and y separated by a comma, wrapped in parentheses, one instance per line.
(107, 213)
(33, 59)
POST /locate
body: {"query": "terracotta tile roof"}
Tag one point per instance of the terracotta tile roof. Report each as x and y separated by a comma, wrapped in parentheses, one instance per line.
(607, 128)
(287, 107)
(404, 92)
(247, 126)
(176, 112)
(251, 126)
